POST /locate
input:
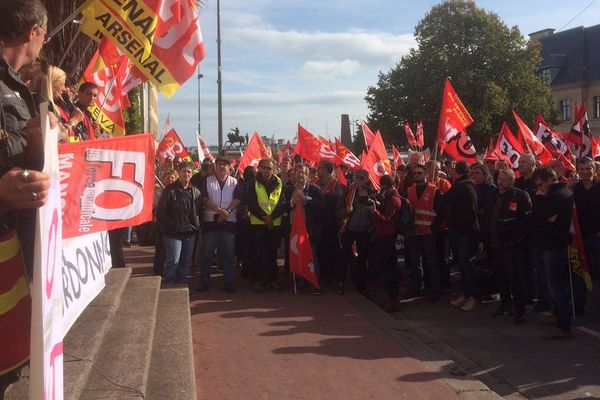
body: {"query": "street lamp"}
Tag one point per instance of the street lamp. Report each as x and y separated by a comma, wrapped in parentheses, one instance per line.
(219, 81)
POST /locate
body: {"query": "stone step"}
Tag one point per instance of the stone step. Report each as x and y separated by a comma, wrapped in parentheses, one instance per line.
(172, 365)
(83, 341)
(121, 368)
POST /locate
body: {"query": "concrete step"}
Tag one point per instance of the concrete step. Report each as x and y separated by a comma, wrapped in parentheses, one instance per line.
(172, 365)
(82, 342)
(121, 368)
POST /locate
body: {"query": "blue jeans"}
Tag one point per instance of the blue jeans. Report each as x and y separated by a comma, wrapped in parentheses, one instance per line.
(556, 266)
(424, 261)
(465, 247)
(178, 258)
(225, 242)
(540, 274)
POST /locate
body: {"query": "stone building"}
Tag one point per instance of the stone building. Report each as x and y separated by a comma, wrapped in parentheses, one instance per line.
(571, 66)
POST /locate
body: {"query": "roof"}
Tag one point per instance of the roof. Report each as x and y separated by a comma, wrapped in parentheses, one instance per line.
(575, 51)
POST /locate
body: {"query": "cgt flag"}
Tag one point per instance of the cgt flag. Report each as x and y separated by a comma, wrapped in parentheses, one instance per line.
(537, 148)
(106, 184)
(171, 146)
(397, 157)
(410, 137)
(454, 117)
(203, 150)
(508, 148)
(255, 152)
(312, 149)
(367, 134)
(301, 255)
(460, 148)
(161, 37)
(376, 161)
(577, 256)
(419, 136)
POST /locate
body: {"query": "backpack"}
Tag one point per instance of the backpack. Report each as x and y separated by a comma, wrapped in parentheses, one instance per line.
(404, 218)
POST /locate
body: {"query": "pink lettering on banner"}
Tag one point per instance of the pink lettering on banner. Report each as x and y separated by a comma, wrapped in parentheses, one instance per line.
(51, 252)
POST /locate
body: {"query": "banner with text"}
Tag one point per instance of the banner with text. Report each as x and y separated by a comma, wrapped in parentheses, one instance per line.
(106, 184)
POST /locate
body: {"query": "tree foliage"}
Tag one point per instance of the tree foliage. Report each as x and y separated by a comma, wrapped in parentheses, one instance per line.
(492, 67)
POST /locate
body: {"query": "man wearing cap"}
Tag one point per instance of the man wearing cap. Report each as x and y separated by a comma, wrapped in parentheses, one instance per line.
(220, 197)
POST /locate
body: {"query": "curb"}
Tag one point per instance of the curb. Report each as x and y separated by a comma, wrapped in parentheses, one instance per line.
(468, 379)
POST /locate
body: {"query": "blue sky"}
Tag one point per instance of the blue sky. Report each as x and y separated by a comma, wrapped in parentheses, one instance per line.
(309, 61)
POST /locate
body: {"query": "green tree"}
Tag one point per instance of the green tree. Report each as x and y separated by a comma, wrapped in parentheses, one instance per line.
(492, 67)
(133, 115)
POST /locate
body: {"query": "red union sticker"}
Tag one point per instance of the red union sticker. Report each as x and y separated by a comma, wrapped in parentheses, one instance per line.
(512, 206)
(106, 184)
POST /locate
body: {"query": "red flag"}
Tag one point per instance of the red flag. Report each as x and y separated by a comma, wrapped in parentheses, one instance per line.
(577, 256)
(171, 146)
(301, 255)
(460, 148)
(106, 184)
(490, 154)
(340, 176)
(346, 155)
(287, 151)
(368, 135)
(108, 69)
(255, 152)
(537, 148)
(553, 140)
(363, 157)
(410, 137)
(580, 134)
(454, 116)
(508, 147)
(419, 135)
(595, 147)
(311, 148)
(376, 162)
(397, 157)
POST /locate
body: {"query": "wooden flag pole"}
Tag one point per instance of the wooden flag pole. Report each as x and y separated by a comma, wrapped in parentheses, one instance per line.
(571, 284)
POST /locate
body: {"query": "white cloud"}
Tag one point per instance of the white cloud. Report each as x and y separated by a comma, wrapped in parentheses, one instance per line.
(322, 70)
(365, 47)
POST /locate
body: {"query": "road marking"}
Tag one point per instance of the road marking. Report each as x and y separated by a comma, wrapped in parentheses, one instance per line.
(589, 331)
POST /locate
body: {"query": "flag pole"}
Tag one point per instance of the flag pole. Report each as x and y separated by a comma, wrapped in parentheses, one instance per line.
(571, 283)
(294, 279)
(59, 27)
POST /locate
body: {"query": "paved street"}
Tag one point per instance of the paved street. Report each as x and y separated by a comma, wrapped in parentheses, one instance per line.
(277, 345)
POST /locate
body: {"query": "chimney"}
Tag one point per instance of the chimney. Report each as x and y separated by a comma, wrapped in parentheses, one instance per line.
(346, 136)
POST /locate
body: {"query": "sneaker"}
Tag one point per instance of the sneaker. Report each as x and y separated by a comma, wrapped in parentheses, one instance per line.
(460, 301)
(228, 287)
(203, 287)
(470, 304)
(258, 287)
(558, 334)
(316, 292)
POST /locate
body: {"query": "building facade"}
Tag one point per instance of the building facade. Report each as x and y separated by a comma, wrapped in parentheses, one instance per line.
(571, 66)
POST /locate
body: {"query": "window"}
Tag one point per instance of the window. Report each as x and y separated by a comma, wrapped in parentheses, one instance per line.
(546, 76)
(596, 103)
(565, 110)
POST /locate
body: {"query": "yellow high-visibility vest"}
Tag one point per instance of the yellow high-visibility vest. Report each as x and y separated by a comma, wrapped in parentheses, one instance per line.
(267, 202)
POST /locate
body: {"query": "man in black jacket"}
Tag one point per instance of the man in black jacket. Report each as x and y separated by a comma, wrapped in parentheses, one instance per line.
(461, 204)
(506, 219)
(552, 214)
(178, 216)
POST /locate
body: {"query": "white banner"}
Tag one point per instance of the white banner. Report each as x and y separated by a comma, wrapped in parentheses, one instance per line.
(46, 363)
(86, 259)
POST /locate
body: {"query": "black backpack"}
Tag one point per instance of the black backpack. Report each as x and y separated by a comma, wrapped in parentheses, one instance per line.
(404, 218)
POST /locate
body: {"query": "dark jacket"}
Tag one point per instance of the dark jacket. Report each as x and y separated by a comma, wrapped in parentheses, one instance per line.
(312, 208)
(588, 208)
(329, 220)
(179, 209)
(385, 215)
(510, 224)
(19, 107)
(461, 205)
(558, 202)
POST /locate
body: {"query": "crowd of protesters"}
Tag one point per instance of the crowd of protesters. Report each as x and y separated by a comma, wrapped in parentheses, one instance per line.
(506, 232)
